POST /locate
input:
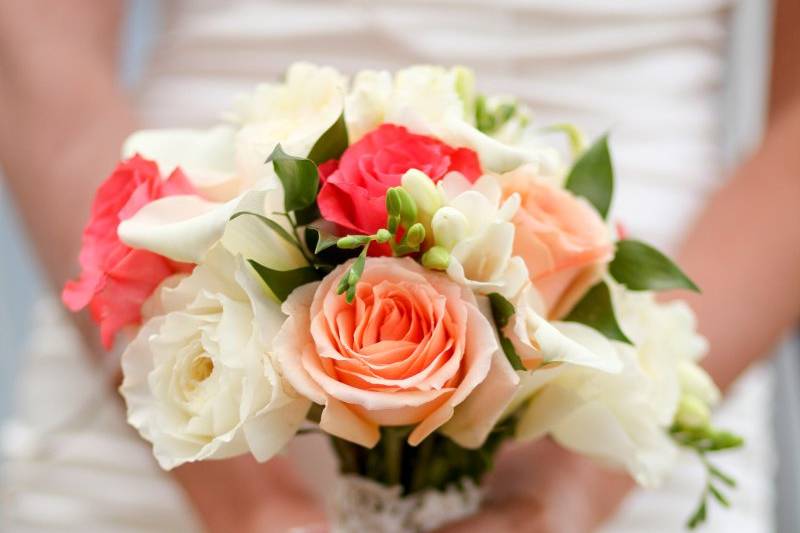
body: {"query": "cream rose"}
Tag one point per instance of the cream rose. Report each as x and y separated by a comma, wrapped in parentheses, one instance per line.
(563, 240)
(412, 349)
(199, 379)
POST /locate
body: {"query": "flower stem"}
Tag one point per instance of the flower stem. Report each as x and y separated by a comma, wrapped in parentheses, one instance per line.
(393, 455)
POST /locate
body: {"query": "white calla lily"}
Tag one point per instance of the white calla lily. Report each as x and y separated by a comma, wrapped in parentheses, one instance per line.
(205, 156)
(226, 162)
(182, 228)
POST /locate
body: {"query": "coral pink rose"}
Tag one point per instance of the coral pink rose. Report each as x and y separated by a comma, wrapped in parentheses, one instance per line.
(353, 194)
(412, 349)
(115, 279)
(561, 237)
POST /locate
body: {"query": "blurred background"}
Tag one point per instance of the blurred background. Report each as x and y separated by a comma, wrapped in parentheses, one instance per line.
(743, 109)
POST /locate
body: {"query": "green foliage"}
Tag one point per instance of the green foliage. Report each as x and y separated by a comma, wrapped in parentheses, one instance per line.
(283, 282)
(641, 267)
(349, 280)
(271, 224)
(592, 176)
(502, 311)
(596, 310)
(436, 463)
(299, 177)
(326, 236)
(489, 119)
(332, 143)
(705, 440)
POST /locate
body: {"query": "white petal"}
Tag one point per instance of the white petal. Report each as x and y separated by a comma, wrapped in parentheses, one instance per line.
(205, 156)
(182, 228)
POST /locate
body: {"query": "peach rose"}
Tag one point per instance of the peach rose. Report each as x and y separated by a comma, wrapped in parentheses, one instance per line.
(412, 349)
(561, 237)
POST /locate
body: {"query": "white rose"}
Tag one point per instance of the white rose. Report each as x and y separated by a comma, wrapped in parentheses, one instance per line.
(622, 418)
(474, 225)
(367, 102)
(199, 379)
(225, 162)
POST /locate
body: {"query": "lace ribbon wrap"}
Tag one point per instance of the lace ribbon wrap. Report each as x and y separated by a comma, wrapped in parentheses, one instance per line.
(361, 505)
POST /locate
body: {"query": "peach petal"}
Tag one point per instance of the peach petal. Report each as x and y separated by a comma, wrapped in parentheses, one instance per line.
(337, 419)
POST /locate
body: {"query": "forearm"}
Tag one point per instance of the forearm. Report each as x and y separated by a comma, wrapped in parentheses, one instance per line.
(64, 115)
(744, 252)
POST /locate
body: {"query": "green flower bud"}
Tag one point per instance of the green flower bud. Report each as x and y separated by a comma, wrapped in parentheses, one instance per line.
(350, 242)
(393, 202)
(692, 412)
(392, 223)
(408, 208)
(415, 235)
(383, 235)
(437, 258)
(465, 88)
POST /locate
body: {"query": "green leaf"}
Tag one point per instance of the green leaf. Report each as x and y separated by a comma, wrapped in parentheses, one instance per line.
(332, 143)
(592, 176)
(511, 353)
(596, 310)
(720, 475)
(283, 282)
(299, 177)
(307, 215)
(699, 515)
(718, 495)
(502, 311)
(641, 267)
(274, 226)
(326, 234)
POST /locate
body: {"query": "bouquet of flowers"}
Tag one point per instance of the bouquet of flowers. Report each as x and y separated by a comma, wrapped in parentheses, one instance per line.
(413, 268)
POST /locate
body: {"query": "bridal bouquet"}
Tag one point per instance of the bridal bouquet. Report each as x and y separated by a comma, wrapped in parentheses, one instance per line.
(410, 267)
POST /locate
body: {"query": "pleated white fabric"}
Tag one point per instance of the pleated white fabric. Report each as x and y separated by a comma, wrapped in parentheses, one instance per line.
(648, 71)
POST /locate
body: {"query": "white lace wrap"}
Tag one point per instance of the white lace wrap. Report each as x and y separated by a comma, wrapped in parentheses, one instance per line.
(361, 505)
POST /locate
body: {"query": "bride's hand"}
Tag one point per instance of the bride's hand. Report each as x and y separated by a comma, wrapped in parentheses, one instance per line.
(240, 495)
(543, 488)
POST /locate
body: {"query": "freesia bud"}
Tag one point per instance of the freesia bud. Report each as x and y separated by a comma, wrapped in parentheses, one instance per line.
(423, 191)
(695, 381)
(393, 202)
(692, 412)
(437, 258)
(415, 235)
(350, 242)
(383, 235)
(449, 227)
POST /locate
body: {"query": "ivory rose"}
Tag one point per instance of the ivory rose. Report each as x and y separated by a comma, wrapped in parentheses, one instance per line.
(563, 240)
(412, 349)
(200, 382)
(116, 279)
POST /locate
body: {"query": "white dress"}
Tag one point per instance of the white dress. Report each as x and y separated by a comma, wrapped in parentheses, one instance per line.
(649, 71)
